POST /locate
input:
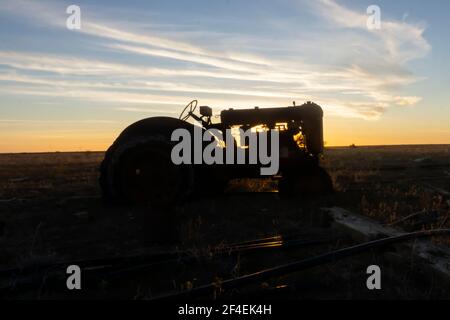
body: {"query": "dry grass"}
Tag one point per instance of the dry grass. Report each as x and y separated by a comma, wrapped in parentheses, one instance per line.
(385, 183)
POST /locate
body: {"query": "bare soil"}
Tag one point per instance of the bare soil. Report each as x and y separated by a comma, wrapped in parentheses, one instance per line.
(51, 211)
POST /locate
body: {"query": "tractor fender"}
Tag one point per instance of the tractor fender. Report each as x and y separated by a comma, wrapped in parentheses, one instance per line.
(154, 125)
(150, 130)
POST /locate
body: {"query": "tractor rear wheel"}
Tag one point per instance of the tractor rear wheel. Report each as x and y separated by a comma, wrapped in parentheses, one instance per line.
(140, 171)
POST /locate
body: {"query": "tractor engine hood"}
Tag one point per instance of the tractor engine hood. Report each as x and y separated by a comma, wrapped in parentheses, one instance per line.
(253, 117)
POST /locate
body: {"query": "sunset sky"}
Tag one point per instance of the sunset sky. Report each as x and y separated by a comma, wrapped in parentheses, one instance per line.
(75, 90)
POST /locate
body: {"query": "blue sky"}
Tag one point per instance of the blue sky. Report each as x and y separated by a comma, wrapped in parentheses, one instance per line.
(67, 89)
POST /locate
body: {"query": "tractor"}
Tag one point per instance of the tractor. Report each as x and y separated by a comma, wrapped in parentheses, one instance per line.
(138, 167)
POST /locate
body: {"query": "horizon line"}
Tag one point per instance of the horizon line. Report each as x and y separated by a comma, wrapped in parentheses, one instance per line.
(331, 146)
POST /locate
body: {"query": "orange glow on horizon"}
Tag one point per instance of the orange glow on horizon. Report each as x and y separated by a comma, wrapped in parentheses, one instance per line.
(336, 134)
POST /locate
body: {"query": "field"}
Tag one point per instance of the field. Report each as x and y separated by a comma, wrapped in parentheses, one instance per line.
(51, 211)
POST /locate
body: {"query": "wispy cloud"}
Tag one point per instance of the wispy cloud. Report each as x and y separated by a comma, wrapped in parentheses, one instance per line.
(364, 84)
(399, 41)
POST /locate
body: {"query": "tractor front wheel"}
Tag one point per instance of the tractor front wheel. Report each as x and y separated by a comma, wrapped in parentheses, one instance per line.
(309, 181)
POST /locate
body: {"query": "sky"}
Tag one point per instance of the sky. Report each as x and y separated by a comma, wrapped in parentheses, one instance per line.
(66, 89)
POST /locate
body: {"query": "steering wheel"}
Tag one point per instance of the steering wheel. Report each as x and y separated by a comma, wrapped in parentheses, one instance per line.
(191, 106)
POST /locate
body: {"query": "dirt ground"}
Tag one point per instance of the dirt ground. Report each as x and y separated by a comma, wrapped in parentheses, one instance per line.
(51, 211)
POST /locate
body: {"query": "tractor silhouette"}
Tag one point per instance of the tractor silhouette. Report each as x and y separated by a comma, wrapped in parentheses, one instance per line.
(138, 167)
